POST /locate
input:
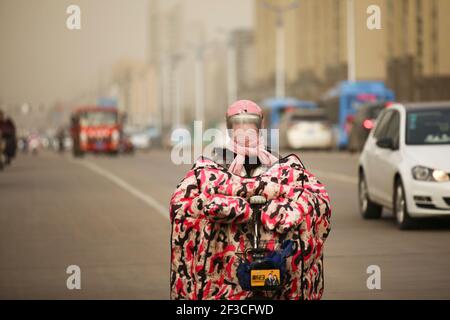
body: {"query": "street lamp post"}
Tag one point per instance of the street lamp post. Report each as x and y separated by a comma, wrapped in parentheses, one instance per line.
(199, 85)
(231, 71)
(351, 54)
(166, 93)
(232, 81)
(280, 63)
(177, 112)
(280, 76)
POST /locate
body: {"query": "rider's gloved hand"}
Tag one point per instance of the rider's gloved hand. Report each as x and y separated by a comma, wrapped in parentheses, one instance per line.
(225, 209)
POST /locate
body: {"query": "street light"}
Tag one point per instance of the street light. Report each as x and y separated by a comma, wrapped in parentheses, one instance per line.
(199, 64)
(231, 71)
(231, 64)
(199, 84)
(280, 10)
(351, 54)
(177, 60)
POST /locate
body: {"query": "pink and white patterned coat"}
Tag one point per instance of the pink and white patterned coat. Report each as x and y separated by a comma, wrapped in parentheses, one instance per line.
(211, 218)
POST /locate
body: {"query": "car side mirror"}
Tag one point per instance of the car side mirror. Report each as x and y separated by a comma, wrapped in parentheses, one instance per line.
(386, 143)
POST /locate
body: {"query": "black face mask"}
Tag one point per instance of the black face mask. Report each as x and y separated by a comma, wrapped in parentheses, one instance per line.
(250, 164)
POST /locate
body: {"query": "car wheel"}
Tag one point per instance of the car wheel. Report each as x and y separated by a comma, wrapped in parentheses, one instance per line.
(367, 208)
(404, 221)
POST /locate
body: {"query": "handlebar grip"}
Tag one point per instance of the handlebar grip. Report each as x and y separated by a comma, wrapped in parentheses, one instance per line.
(258, 200)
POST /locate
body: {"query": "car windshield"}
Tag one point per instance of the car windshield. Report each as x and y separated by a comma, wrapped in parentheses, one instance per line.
(98, 118)
(428, 127)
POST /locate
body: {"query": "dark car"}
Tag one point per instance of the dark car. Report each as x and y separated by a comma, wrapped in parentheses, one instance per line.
(362, 123)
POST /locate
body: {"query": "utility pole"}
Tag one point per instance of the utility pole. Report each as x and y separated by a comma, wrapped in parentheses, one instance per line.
(231, 71)
(166, 92)
(232, 81)
(280, 75)
(199, 84)
(177, 118)
(351, 54)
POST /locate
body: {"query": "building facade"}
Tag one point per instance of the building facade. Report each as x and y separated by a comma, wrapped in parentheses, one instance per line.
(410, 52)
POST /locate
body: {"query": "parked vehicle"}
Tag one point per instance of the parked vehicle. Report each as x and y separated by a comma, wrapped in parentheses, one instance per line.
(362, 123)
(306, 129)
(405, 163)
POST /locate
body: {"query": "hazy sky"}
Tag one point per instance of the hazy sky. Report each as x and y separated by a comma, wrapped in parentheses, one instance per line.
(41, 61)
(220, 14)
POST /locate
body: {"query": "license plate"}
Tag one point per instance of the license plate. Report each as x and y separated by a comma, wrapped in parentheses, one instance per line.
(267, 278)
(100, 145)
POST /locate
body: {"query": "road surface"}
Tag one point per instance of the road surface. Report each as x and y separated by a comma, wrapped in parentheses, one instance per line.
(109, 216)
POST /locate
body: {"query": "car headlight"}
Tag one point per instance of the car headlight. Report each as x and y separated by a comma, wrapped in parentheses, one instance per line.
(440, 175)
(426, 174)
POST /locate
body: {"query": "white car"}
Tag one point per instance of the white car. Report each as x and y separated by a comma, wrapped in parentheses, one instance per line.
(307, 129)
(140, 140)
(405, 163)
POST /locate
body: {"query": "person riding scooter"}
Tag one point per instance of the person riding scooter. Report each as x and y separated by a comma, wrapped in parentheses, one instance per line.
(246, 216)
(2, 147)
(8, 131)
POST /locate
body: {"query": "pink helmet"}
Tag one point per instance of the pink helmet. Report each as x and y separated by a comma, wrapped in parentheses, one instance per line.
(244, 111)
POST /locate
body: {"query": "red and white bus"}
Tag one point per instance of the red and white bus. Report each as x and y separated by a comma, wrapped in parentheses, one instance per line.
(96, 129)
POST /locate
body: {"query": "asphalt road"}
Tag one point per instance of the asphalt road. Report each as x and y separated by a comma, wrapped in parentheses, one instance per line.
(109, 216)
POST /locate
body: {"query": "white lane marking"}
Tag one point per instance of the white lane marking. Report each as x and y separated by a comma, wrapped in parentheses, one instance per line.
(153, 203)
(335, 176)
